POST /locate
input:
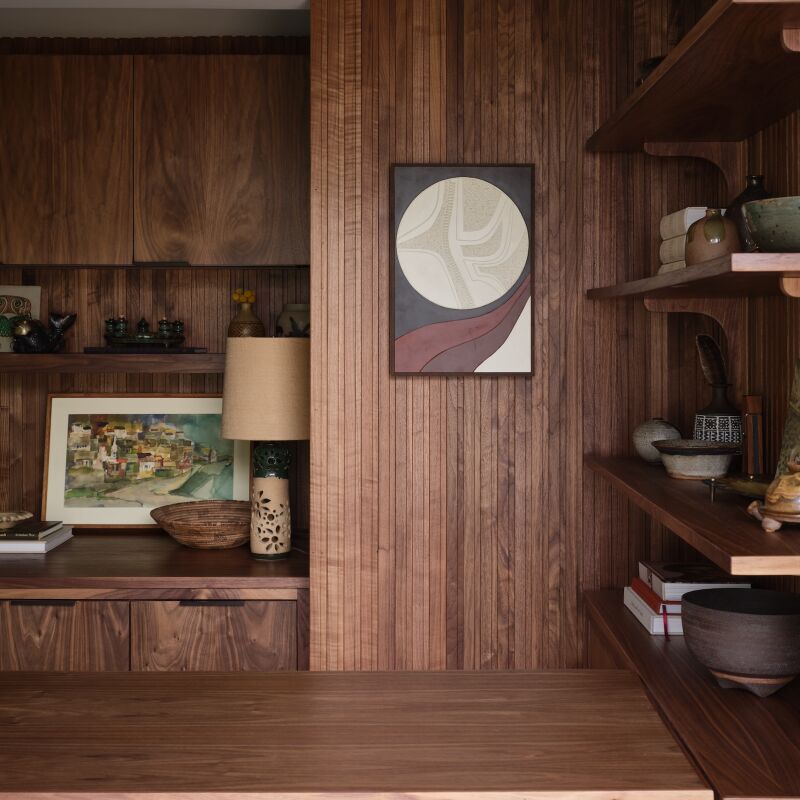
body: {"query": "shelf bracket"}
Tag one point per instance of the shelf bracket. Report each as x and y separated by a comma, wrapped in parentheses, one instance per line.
(730, 314)
(728, 157)
(791, 39)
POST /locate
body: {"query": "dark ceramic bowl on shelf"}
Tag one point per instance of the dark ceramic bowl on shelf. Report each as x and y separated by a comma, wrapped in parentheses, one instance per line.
(774, 224)
(748, 638)
(695, 459)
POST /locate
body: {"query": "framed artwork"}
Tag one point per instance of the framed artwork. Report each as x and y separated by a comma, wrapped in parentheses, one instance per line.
(17, 301)
(111, 459)
(461, 283)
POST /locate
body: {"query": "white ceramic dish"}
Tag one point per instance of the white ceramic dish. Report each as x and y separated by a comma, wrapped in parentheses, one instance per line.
(695, 460)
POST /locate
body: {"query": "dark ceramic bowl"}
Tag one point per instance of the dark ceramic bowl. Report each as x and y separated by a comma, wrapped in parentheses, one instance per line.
(774, 224)
(748, 638)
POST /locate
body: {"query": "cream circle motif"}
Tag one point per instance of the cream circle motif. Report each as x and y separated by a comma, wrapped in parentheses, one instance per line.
(462, 243)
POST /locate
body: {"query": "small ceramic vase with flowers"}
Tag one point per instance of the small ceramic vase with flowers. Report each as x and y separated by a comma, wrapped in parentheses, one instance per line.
(245, 323)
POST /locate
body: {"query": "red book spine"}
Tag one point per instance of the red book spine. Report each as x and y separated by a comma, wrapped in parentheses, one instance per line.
(653, 600)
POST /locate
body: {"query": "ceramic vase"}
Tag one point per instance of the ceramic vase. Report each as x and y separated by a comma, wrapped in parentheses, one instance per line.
(735, 212)
(711, 237)
(245, 323)
(294, 320)
(719, 421)
(653, 430)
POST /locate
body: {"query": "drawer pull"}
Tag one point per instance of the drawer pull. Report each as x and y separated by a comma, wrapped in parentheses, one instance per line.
(221, 603)
(66, 603)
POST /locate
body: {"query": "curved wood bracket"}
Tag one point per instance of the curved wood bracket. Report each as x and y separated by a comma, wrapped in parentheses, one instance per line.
(729, 157)
(730, 314)
(791, 40)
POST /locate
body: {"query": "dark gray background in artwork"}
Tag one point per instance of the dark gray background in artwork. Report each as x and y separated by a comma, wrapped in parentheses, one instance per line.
(411, 309)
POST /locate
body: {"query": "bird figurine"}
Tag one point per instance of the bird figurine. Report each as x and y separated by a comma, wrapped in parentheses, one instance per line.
(32, 336)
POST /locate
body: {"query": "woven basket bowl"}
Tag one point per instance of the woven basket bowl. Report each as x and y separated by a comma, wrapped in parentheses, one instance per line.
(206, 524)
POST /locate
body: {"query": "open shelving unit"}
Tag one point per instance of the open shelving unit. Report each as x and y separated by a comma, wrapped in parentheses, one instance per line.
(184, 363)
(735, 275)
(745, 746)
(722, 531)
(734, 73)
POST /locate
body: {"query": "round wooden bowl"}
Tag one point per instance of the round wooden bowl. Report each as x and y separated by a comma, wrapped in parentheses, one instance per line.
(748, 638)
(206, 524)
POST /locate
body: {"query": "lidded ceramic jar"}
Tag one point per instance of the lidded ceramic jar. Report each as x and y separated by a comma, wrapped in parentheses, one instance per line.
(713, 236)
(653, 430)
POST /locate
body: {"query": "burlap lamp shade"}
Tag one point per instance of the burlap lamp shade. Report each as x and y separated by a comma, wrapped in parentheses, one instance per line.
(267, 400)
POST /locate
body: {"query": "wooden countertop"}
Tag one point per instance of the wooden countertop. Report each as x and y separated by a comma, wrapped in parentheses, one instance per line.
(571, 734)
(115, 564)
(747, 747)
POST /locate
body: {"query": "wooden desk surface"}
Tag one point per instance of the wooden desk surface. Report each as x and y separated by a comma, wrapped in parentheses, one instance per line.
(100, 564)
(567, 734)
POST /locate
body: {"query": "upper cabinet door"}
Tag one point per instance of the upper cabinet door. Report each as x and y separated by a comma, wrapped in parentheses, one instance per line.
(66, 159)
(221, 165)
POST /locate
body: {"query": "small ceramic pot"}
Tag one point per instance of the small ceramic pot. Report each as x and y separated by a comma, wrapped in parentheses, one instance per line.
(774, 224)
(653, 430)
(245, 323)
(713, 236)
(294, 320)
(783, 494)
(754, 190)
(693, 460)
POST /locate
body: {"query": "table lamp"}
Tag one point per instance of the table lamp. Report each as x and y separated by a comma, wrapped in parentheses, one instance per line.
(266, 401)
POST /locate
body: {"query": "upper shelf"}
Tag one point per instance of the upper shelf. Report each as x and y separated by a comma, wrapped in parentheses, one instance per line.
(736, 275)
(733, 74)
(721, 531)
(123, 363)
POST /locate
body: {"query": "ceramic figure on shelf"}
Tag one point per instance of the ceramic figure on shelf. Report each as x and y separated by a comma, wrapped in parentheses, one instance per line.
(653, 430)
(713, 236)
(294, 320)
(754, 190)
(719, 421)
(245, 323)
(32, 336)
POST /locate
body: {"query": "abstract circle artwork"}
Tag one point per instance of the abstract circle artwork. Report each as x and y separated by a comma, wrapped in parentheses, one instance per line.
(462, 269)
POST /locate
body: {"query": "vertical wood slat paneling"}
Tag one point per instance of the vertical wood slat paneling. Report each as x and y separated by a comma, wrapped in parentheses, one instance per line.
(452, 521)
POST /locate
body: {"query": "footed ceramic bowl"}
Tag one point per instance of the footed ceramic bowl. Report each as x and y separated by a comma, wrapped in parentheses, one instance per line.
(774, 224)
(748, 638)
(694, 459)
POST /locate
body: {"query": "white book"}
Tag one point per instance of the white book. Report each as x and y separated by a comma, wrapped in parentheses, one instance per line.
(673, 249)
(36, 545)
(676, 589)
(673, 266)
(649, 619)
(677, 223)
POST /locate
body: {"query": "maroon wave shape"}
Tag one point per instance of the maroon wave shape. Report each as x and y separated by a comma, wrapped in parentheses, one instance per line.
(467, 356)
(416, 349)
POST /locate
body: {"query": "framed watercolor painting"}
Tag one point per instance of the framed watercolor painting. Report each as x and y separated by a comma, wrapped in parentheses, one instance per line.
(461, 283)
(111, 459)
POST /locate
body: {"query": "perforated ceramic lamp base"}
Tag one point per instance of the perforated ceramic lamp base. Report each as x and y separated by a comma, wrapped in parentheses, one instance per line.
(271, 516)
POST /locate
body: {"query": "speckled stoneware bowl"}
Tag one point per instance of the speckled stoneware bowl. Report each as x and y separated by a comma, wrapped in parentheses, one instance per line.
(748, 638)
(695, 460)
(774, 224)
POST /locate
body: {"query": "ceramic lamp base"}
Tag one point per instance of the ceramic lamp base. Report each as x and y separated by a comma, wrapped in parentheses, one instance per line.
(271, 518)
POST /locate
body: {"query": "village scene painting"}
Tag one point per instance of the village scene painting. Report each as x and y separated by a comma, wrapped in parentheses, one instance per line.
(146, 460)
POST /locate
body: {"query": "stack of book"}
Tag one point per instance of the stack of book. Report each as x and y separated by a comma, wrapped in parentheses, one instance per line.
(654, 596)
(673, 230)
(32, 536)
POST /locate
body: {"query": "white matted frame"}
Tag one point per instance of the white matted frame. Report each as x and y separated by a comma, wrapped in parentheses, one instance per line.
(59, 409)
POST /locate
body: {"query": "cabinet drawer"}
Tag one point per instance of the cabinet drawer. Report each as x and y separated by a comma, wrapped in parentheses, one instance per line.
(68, 636)
(258, 636)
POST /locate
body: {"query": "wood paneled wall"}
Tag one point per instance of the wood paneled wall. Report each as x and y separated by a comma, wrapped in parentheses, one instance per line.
(453, 524)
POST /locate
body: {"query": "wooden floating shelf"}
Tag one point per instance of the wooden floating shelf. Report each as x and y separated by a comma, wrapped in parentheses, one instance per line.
(746, 747)
(736, 275)
(722, 531)
(166, 265)
(130, 363)
(734, 73)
